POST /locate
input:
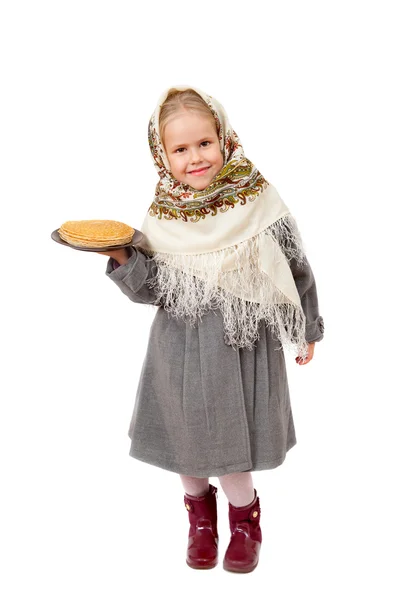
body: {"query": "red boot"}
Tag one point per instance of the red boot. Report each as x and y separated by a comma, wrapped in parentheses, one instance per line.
(202, 550)
(244, 548)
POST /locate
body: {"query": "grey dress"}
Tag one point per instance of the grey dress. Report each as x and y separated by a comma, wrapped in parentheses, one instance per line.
(203, 408)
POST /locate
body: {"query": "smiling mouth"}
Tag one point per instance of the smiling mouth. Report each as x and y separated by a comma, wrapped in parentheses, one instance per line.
(199, 171)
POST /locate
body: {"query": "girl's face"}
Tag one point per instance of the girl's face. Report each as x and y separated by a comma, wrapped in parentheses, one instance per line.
(192, 146)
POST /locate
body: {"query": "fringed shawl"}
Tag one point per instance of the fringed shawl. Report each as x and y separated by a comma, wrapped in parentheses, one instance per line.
(226, 247)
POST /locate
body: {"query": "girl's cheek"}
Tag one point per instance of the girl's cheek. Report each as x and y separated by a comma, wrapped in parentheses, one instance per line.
(180, 163)
(177, 161)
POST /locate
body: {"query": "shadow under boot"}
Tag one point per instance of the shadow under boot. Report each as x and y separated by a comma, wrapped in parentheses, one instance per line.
(202, 549)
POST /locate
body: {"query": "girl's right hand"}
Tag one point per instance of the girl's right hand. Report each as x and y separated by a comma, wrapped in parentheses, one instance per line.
(121, 255)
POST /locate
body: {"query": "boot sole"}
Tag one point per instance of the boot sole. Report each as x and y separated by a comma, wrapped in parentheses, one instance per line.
(202, 566)
(238, 569)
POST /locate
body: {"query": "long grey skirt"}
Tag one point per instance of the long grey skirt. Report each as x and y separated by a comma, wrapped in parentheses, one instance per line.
(201, 407)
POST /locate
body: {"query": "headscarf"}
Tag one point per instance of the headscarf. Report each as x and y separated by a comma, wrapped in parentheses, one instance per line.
(226, 247)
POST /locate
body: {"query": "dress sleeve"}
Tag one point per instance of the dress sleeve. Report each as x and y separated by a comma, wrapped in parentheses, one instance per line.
(306, 287)
(132, 276)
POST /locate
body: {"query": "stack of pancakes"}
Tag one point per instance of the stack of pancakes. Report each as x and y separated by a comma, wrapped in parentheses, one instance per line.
(96, 234)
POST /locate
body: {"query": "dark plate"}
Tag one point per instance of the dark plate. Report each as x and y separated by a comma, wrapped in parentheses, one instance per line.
(137, 236)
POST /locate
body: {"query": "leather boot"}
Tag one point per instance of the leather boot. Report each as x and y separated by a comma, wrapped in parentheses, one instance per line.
(244, 547)
(202, 550)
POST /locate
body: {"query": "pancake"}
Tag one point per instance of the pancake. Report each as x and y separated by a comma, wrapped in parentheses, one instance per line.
(96, 233)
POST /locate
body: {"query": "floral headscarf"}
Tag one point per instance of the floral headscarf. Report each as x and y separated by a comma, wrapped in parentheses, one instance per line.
(237, 181)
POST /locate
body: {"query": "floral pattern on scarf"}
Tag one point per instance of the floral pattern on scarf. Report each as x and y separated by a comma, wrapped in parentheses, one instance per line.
(237, 182)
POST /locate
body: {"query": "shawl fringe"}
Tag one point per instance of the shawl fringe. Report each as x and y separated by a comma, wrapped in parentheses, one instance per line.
(190, 285)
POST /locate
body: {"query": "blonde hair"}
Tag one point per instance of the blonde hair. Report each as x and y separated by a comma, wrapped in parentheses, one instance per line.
(177, 101)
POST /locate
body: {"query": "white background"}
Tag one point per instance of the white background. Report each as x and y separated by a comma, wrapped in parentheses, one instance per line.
(310, 88)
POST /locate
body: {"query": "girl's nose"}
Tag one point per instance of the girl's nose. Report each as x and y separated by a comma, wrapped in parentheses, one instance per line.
(195, 155)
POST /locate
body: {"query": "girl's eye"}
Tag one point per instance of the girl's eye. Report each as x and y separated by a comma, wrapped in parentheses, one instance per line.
(178, 150)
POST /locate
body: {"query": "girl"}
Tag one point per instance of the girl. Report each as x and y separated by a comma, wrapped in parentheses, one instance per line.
(223, 261)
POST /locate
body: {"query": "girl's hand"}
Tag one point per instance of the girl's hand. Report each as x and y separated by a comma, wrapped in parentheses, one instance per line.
(310, 354)
(120, 255)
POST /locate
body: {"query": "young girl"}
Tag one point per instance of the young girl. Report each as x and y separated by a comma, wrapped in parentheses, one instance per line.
(222, 259)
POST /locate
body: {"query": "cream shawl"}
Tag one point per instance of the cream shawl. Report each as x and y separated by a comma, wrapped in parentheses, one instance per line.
(226, 247)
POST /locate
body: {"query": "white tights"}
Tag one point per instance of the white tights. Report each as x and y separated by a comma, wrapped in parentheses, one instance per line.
(237, 487)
